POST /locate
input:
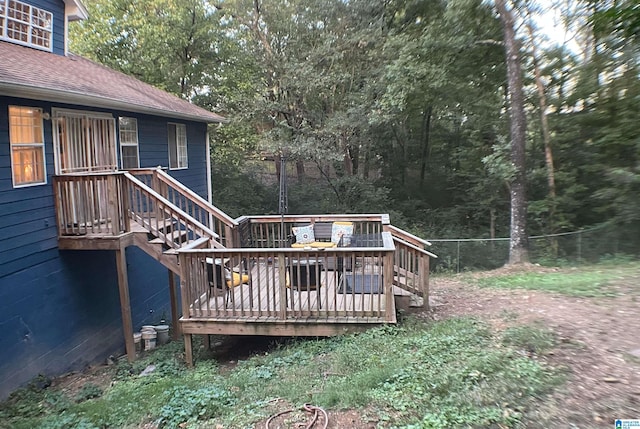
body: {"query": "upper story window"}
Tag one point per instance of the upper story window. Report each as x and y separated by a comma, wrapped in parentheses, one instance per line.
(177, 146)
(129, 142)
(27, 146)
(25, 24)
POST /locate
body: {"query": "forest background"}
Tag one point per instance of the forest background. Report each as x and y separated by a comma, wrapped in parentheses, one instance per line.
(401, 107)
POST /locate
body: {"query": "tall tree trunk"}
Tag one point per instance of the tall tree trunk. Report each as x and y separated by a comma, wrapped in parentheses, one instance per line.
(546, 138)
(300, 169)
(426, 134)
(347, 160)
(544, 123)
(518, 246)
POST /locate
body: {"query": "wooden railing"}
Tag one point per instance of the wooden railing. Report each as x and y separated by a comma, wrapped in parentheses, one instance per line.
(265, 232)
(411, 263)
(334, 285)
(93, 203)
(163, 219)
(105, 204)
(191, 203)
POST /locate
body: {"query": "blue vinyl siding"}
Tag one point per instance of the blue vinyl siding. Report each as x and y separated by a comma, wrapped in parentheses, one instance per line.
(60, 309)
(154, 150)
(56, 7)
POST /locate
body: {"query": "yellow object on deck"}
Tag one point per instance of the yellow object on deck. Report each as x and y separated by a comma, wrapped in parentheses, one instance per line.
(237, 279)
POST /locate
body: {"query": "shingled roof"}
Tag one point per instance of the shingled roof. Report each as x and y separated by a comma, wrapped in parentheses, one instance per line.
(38, 75)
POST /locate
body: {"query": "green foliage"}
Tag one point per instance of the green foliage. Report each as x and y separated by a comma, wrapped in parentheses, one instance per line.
(453, 373)
(531, 339)
(88, 391)
(402, 103)
(189, 405)
(593, 282)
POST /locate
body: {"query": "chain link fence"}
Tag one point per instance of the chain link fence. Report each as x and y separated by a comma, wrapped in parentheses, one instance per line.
(583, 246)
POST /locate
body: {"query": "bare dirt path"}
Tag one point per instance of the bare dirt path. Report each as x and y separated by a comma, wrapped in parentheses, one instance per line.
(598, 343)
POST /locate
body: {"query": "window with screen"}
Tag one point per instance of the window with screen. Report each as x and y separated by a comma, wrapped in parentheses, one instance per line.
(177, 146)
(25, 24)
(129, 143)
(27, 146)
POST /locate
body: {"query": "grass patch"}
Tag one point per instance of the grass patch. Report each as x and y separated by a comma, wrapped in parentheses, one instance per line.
(531, 339)
(594, 282)
(452, 373)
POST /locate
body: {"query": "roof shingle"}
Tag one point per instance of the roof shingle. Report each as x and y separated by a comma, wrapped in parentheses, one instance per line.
(29, 73)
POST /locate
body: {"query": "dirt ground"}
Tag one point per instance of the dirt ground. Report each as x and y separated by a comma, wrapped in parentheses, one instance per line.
(598, 343)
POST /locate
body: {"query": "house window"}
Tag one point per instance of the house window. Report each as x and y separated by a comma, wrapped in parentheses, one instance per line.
(27, 146)
(129, 143)
(177, 146)
(25, 24)
(84, 141)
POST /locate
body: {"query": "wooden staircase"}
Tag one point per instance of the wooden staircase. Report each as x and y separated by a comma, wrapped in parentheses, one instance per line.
(161, 228)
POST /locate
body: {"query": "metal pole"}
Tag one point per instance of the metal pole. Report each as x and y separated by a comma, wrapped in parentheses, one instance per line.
(458, 257)
(283, 202)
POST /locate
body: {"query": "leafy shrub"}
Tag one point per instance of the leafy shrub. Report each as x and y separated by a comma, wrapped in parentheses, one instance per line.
(189, 405)
(88, 391)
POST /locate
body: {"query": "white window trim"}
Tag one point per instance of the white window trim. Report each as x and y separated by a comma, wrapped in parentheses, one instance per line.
(137, 144)
(186, 147)
(44, 155)
(5, 28)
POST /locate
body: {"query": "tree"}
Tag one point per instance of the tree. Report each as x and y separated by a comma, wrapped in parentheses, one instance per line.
(176, 45)
(518, 246)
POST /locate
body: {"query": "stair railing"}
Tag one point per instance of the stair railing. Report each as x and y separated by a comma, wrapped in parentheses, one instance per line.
(411, 263)
(188, 201)
(163, 219)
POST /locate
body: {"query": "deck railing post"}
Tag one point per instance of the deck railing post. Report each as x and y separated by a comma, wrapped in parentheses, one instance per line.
(389, 305)
(112, 198)
(124, 198)
(185, 294)
(282, 281)
(423, 275)
(229, 240)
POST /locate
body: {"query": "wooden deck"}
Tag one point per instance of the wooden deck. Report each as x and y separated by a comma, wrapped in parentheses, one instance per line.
(276, 299)
(149, 209)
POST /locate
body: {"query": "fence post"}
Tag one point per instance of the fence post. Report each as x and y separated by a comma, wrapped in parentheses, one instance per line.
(579, 246)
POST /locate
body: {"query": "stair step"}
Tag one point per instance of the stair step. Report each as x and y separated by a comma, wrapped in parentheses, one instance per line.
(156, 240)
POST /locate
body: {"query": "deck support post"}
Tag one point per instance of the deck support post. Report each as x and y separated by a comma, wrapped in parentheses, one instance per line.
(188, 350)
(173, 295)
(125, 304)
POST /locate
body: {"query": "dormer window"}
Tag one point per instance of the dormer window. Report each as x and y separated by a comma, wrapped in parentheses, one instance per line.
(25, 24)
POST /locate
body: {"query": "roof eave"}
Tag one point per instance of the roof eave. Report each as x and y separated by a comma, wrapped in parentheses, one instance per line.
(75, 10)
(69, 97)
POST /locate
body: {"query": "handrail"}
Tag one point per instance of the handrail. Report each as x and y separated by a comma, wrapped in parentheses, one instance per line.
(407, 236)
(315, 218)
(192, 226)
(204, 204)
(416, 248)
(190, 202)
